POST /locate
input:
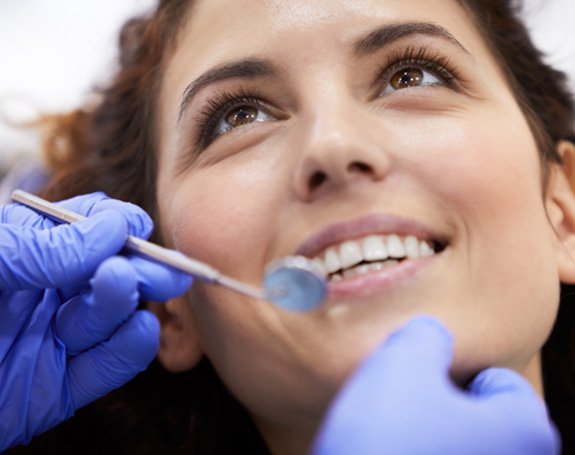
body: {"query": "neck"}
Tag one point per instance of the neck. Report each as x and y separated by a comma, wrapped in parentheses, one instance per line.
(284, 439)
(532, 372)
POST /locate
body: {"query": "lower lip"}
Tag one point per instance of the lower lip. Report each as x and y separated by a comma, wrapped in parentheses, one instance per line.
(377, 282)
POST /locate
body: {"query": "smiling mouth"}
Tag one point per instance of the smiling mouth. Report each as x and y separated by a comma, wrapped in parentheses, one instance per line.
(373, 253)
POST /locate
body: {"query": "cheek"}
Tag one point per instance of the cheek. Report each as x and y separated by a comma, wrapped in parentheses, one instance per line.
(222, 215)
(486, 175)
(482, 156)
(485, 170)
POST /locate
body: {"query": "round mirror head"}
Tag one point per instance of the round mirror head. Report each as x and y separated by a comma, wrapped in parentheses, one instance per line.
(295, 283)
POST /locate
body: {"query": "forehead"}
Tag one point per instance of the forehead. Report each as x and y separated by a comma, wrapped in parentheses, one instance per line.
(220, 25)
(219, 31)
(298, 33)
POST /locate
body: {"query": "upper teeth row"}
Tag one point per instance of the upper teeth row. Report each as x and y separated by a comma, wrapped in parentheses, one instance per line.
(372, 248)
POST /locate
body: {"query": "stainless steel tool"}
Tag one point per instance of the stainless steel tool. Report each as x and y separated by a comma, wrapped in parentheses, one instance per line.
(293, 283)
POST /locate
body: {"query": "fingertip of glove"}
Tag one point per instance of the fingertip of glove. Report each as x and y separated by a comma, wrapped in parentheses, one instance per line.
(103, 234)
(182, 283)
(425, 329)
(108, 225)
(139, 222)
(116, 271)
(141, 338)
(149, 322)
(159, 282)
(116, 282)
(422, 344)
(83, 204)
(492, 381)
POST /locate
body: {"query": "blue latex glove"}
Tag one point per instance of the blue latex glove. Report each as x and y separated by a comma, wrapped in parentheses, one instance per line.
(69, 329)
(401, 401)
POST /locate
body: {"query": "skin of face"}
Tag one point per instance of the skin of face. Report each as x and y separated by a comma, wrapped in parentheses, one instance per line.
(333, 146)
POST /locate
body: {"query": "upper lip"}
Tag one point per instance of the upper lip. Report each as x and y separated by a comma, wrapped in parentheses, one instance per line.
(366, 225)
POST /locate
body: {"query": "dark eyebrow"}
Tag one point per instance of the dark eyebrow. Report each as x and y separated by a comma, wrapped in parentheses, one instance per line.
(370, 43)
(250, 68)
(388, 34)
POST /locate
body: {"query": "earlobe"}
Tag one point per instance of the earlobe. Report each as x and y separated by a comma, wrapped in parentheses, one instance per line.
(180, 348)
(561, 210)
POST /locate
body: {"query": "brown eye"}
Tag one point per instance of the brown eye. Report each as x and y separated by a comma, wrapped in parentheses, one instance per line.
(406, 78)
(232, 113)
(241, 115)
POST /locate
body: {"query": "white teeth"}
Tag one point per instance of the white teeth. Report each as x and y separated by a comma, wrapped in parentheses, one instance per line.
(373, 248)
(332, 261)
(425, 250)
(350, 254)
(395, 247)
(411, 247)
(367, 268)
(376, 250)
(320, 265)
(390, 263)
(359, 270)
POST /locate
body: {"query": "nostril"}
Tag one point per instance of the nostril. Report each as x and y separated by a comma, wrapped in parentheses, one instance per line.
(316, 180)
(358, 166)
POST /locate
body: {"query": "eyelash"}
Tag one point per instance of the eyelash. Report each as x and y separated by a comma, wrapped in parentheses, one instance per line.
(221, 103)
(422, 58)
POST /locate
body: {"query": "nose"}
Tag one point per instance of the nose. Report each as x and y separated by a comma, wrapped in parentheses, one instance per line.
(338, 151)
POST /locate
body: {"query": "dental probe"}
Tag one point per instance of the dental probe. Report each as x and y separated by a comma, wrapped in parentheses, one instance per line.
(293, 283)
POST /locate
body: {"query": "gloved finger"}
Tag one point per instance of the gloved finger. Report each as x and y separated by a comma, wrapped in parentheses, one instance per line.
(21, 215)
(91, 318)
(111, 364)
(510, 396)
(412, 361)
(61, 256)
(500, 382)
(139, 222)
(507, 390)
(158, 282)
(419, 351)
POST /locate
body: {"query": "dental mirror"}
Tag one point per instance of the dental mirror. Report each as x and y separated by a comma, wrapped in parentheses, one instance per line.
(294, 283)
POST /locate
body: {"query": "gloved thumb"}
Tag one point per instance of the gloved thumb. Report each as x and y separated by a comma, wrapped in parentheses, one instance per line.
(62, 256)
(412, 361)
(421, 350)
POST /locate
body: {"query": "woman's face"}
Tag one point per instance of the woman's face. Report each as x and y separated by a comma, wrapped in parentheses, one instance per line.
(350, 131)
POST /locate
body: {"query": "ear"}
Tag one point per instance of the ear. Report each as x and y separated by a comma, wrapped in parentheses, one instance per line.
(180, 347)
(560, 203)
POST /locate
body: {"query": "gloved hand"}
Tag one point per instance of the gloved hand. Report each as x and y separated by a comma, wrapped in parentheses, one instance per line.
(401, 401)
(69, 328)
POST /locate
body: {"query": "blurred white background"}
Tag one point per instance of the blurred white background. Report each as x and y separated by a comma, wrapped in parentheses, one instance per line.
(53, 51)
(552, 25)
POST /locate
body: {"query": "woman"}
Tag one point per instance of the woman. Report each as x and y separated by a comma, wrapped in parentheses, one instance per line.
(419, 150)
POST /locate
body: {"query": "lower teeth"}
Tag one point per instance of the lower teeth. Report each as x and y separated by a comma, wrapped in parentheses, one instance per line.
(362, 269)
